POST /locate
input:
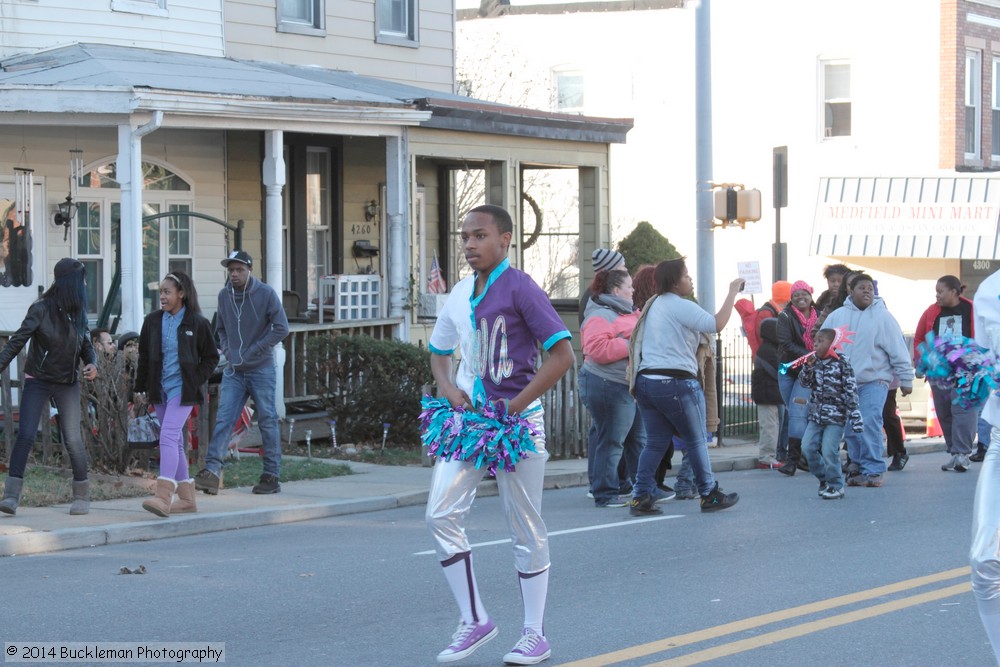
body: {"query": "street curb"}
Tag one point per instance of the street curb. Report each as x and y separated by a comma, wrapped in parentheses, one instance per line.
(36, 542)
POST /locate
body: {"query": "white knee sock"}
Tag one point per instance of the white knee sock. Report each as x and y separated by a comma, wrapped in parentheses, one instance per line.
(534, 589)
(989, 613)
(462, 580)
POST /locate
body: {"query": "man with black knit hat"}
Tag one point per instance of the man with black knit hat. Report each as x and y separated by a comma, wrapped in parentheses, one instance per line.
(250, 322)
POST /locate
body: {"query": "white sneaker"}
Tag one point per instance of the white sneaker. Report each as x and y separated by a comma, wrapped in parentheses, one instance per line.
(952, 464)
(962, 463)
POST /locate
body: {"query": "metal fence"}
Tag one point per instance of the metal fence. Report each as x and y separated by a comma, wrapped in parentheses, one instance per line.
(735, 366)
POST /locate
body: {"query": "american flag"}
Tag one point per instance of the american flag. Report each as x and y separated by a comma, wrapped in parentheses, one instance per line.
(435, 281)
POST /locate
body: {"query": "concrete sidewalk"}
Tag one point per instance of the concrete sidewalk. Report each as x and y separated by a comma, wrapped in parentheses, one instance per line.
(370, 488)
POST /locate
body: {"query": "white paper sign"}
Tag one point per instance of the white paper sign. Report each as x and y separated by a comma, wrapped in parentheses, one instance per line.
(750, 272)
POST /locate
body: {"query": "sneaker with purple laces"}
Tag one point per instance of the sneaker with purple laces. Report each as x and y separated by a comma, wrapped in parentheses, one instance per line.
(531, 649)
(467, 639)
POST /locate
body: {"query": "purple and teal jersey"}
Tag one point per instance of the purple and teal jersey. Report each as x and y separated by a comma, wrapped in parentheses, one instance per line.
(498, 332)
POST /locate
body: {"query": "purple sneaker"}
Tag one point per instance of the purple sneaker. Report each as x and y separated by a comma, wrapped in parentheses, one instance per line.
(467, 639)
(531, 649)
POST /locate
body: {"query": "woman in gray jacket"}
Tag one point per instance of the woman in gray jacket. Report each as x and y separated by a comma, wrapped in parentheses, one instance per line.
(877, 352)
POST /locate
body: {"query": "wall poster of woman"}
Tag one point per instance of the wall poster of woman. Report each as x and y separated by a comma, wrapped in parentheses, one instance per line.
(15, 247)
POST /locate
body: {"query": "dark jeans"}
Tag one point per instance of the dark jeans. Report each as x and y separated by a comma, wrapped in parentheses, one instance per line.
(672, 407)
(894, 443)
(35, 403)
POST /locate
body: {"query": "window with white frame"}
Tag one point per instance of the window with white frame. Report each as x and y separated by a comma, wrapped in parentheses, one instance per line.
(568, 86)
(836, 82)
(973, 101)
(396, 22)
(995, 120)
(305, 17)
(167, 243)
(90, 251)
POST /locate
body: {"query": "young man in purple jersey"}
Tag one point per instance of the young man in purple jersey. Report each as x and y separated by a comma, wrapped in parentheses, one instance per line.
(497, 318)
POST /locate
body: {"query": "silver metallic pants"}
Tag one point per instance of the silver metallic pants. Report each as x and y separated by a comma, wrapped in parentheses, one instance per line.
(984, 554)
(453, 488)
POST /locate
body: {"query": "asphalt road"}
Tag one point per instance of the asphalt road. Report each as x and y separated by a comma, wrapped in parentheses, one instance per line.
(784, 578)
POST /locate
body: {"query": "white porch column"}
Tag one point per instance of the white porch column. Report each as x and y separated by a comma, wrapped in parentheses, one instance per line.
(397, 203)
(274, 183)
(129, 173)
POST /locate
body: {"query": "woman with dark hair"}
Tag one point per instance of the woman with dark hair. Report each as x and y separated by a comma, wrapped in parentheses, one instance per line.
(795, 338)
(56, 326)
(177, 354)
(643, 289)
(669, 395)
(877, 353)
(607, 326)
(826, 303)
(950, 315)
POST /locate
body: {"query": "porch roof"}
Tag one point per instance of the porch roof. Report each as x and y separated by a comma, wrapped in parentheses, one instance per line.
(457, 112)
(107, 79)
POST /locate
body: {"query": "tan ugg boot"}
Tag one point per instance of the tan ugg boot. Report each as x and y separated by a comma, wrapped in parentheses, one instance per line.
(185, 498)
(160, 504)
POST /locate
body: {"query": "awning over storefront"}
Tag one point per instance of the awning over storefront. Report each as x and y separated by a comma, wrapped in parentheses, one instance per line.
(932, 217)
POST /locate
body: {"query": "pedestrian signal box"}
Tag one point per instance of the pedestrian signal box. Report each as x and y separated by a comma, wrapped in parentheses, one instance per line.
(736, 205)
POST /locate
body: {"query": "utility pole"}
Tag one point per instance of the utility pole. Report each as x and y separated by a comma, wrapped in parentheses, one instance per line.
(705, 242)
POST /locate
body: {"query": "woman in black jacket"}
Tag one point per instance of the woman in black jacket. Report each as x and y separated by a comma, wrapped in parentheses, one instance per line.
(56, 326)
(795, 324)
(177, 354)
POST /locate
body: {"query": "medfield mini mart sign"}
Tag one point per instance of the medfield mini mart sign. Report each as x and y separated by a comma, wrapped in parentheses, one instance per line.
(908, 219)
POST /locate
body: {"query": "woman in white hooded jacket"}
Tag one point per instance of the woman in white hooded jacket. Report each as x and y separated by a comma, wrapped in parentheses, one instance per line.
(876, 350)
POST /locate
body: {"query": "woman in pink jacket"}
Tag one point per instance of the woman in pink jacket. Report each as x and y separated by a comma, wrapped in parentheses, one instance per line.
(608, 322)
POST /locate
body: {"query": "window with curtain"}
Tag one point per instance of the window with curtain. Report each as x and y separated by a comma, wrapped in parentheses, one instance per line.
(836, 99)
(995, 119)
(973, 98)
(396, 22)
(302, 16)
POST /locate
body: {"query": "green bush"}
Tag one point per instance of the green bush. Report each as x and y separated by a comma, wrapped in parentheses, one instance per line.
(366, 382)
(645, 245)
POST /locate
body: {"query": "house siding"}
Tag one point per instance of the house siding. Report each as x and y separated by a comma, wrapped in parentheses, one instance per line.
(191, 26)
(349, 43)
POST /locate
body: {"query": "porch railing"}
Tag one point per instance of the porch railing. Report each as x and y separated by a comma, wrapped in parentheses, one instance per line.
(297, 385)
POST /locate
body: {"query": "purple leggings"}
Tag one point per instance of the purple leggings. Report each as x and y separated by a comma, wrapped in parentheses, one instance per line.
(173, 416)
